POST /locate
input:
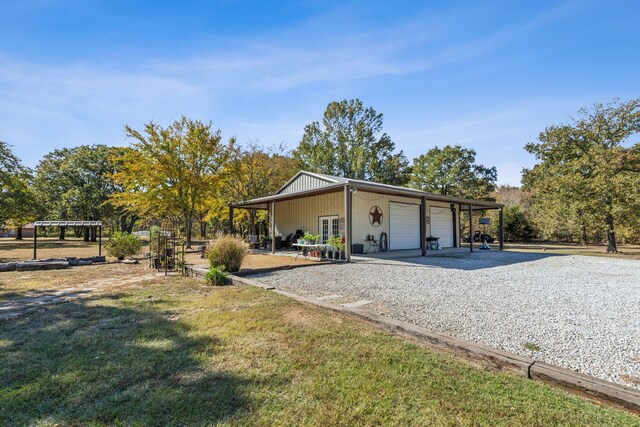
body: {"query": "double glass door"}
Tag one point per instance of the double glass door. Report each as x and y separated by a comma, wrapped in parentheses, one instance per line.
(329, 226)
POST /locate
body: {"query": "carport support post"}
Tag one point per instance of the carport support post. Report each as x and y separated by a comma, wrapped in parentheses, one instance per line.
(35, 240)
(99, 240)
(455, 229)
(423, 225)
(470, 228)
(501, 230)
(273, 227)
(347, 223)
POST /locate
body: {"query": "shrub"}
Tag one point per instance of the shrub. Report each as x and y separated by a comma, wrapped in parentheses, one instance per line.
(228, 252)
(216, 276)
(122, 245)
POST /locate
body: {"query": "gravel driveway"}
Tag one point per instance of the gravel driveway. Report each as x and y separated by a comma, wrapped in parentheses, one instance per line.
(578, 312)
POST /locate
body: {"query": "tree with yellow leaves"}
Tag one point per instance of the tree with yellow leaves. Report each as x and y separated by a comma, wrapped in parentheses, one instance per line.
(172, 170)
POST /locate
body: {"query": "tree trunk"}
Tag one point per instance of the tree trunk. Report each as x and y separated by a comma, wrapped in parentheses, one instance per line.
(584, 237)
(188, 223)
(132, 222)
(252, 221)
(19, 233)
(94, 233)
(612, 248)
(85, 232)
(62, 233)
(203, 229)
(77, 231)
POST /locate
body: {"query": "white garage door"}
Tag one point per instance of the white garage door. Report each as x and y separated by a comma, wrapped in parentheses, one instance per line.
(404, 226)
(442, 226)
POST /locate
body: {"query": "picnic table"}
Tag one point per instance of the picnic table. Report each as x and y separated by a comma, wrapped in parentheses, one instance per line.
(308, 248)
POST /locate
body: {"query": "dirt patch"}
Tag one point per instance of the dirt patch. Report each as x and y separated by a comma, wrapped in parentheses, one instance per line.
(300, 316)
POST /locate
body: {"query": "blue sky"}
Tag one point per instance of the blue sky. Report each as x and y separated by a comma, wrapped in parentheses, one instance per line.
(489, 75)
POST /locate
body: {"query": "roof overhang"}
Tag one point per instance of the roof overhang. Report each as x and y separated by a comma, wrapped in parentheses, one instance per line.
(262, 202)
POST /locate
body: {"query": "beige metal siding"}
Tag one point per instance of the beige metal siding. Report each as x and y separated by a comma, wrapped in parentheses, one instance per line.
(443, 206)
(303, 213)
(303, 182)
(362, 203)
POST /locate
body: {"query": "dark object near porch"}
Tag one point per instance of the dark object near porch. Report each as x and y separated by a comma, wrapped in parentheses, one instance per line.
(277, 241)
(477, 237)
(286, 243)
(357, 248)
(268, 242)
(298, 234)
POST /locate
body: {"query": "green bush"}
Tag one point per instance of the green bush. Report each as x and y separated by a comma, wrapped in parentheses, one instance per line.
(216, 276)
(228, 252)
(122, 245)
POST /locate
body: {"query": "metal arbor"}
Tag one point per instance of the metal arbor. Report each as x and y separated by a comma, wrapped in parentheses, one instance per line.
(167, 246)
(83, 224)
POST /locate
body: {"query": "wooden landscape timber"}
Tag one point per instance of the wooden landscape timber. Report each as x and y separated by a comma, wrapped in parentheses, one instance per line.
(49, 264)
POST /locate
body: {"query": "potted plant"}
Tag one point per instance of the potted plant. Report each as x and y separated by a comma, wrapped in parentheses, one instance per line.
(266, 242)
(311, 239)
(332, 251)
(339, 245)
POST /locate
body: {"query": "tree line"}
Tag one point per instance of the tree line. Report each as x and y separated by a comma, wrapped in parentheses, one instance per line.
(585, 185)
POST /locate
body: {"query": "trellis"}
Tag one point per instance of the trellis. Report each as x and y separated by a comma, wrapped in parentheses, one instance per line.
(167, 247)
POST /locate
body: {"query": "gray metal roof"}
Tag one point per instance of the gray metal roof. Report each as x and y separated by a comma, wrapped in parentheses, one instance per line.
(67, 223)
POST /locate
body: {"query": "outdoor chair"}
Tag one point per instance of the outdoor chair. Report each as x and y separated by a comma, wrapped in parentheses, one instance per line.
(254, 242)
(286, 243)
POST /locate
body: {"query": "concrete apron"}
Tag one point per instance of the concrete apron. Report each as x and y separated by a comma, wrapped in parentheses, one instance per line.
(497, 359)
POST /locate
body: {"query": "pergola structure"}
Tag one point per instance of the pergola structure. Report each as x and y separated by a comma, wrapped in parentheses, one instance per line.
(66, 224)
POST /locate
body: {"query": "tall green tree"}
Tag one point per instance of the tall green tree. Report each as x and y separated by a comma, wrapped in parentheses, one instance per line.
(17, 203)
(452, 171)
(172, 170)
(587, 170)
(350, 143)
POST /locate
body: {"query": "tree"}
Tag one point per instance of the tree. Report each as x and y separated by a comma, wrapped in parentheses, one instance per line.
(349, 144)
(74, 183)
(17, 202)
(585, 174)
(254, 171)
(517, 227)
(172, 170)
(452, 171)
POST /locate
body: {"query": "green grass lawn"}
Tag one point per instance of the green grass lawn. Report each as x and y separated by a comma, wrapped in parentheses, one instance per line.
(177, 352)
